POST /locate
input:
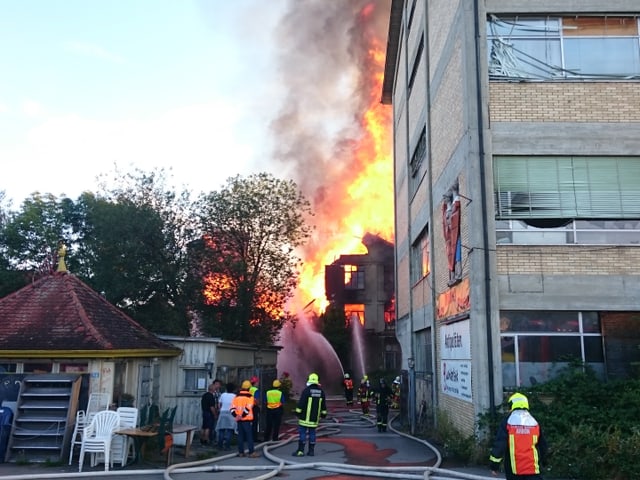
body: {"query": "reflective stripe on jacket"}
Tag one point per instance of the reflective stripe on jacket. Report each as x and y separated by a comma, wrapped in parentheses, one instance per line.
(242, 406)
(520, 441)
(274, 399)
(311, 405)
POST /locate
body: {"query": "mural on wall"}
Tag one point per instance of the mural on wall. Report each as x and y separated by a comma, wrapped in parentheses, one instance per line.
(451, 228)
(454, 301)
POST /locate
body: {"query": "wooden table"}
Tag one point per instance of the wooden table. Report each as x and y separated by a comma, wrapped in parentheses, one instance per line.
(139, 436)
(188, 429)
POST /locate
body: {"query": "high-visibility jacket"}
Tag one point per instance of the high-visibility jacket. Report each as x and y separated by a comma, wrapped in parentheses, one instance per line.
(520, 441)
(311, 406)
(348, 384)
(242, 406)
(274, 398)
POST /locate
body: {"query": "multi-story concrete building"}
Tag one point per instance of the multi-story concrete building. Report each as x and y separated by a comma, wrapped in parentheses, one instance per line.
(517, 188)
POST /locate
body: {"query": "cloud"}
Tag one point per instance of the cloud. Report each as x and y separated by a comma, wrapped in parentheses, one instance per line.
(32, 108)
(93, 50)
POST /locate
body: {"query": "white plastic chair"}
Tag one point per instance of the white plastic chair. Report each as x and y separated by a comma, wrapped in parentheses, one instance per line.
(97, 437)
(97, 402)
(121, 445)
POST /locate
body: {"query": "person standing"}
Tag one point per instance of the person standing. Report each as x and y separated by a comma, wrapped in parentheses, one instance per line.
(242, 411)
(226, 425)
(275, 409)
(364, 395)
(347, 384)
(395, 388)
(208, 407)
(383, 397)
(217, 391)
(312, 405)
(255, 391)
(520, 442)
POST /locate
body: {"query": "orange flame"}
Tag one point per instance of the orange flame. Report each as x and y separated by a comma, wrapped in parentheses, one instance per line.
(365, 202)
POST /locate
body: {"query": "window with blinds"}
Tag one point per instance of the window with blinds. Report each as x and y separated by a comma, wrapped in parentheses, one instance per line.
(566, 187)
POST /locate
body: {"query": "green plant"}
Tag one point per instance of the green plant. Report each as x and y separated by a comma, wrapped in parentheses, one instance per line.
(454, 445)
(590, 425)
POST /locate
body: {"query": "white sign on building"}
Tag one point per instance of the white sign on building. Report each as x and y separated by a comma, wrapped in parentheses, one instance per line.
(455, 359)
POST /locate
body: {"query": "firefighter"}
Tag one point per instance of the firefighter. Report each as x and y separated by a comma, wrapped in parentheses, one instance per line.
(364, 395)
(347, 383)
(395, 388)
(311, 406)
(519, 442)
(383, 397)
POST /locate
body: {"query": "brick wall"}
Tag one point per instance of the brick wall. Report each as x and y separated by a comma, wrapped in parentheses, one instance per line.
(564, 102)
(568, 260)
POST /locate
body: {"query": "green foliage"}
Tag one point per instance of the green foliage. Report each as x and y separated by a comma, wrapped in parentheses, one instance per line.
(141, 245)
(591, 426)
(333, 326)
(454, 446)
(251, 229)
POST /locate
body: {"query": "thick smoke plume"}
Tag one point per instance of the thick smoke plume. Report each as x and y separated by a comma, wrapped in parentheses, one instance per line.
(330, 66)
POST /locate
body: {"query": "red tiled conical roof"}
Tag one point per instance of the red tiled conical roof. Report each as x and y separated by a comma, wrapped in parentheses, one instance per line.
(60, 313)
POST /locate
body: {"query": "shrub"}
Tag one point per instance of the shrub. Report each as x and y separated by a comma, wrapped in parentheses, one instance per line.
(591, 426)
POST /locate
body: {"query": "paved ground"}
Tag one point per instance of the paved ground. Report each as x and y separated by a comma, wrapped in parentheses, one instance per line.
(348, 447)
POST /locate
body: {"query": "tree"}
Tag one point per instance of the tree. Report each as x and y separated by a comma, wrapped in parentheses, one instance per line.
(334, 327)
(137, 242)
(245, 259)
(29, 237)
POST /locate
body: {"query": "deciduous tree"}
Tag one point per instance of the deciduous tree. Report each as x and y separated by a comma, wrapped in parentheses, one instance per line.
(251, 229)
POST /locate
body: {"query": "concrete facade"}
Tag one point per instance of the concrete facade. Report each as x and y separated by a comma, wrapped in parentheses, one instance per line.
(437, 80)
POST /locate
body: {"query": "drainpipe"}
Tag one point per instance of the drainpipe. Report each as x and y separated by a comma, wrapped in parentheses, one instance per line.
(434, 296)
(411, 359)
(484, 207)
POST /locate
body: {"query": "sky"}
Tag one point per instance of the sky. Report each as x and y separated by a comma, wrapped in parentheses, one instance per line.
(206, 90)
(91, 87)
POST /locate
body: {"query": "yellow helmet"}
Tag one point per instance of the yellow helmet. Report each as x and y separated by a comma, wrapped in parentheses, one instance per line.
(246, 385)
(313, 378)
(518, 400)
(276, 383)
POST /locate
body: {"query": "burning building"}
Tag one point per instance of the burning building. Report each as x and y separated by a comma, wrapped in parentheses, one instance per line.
(362, 286)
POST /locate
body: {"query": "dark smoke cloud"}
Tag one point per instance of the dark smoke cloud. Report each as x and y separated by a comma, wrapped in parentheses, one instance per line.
(327, 76)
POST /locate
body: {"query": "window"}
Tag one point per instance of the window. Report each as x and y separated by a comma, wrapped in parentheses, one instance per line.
(195, 379)
(419, 153)
(420, 256)
(563, 47)
(545, 187)
(354, 312)
(584, 232)
(353, 277)
(536, 345)
(416, 64)
(412, 11)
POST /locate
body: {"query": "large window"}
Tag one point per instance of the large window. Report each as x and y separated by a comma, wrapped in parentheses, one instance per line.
(536, 345)
(547, 187)
(353, 277)
(420, 256)
(564, 47)
(583, 232)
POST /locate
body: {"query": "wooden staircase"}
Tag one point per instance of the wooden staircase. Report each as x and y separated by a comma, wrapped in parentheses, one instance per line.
(43, 420)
